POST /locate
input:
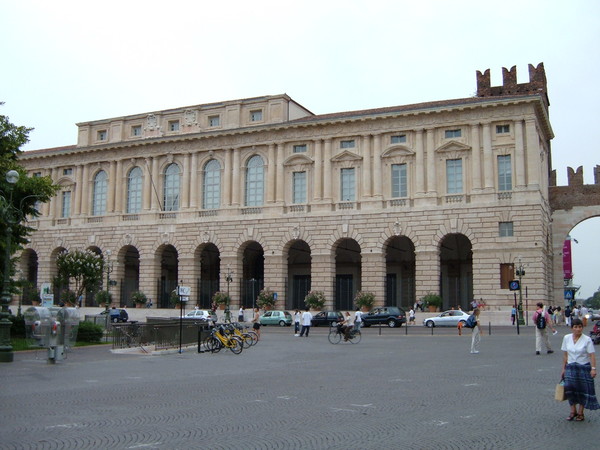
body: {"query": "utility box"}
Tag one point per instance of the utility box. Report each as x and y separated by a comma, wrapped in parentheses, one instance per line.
(53, 328)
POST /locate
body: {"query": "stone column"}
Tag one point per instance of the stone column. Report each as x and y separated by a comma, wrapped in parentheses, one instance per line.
(519, 155)
(377, 173)
(112, 186)
(476, 157)
(271, 172)
(156, 201)
(147, 193)
(280, 187)
(275, 271)
(431, 175)
(194, 188)
(366, 167)
(120, 188)
(488, 158)
(327, 175)
(420, 163)
(236, 182)
(56, 200)
(373, 275)
(323, 276)
(78, 190)
(318, 172)
(185, 181)
(149, 274)
(533, 153)
(85, 195)
(227, 176)
(427, 269)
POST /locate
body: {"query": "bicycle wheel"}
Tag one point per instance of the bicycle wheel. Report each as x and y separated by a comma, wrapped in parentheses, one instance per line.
(235, 345)
(355, 337)
(246, 340)
(334, 337)
(249, 339)
(212, 344)
(254, 336)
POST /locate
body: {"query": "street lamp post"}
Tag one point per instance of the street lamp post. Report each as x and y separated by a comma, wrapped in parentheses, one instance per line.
(228, 279)
(108, 267)
(520, 273)
(6, 350)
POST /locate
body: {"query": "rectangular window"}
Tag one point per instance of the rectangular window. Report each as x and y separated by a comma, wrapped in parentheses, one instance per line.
(398, 139)
(449, 134)
(256, 116)
(66, 204)
(68, 171)
(454, 183)
(101, 136)
(136, 130)
(299, 188)
(173, 125)
(507, 274)
(214, 121)
(502, 129)
(300, 148)
(37, 174)
(348, 185)
(347, 144)
(504, 173)
(505, 229)
(399, 183)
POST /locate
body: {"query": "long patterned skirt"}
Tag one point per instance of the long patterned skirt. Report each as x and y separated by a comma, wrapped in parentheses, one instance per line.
(579, 386)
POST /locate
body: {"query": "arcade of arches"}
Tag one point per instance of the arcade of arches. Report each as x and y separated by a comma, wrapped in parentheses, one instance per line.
(343, 272)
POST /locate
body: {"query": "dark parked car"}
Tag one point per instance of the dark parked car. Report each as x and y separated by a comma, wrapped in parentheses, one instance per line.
(393, 316)
(117, 315)
(326, 318)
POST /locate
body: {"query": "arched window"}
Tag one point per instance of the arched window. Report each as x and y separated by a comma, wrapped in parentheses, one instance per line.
(134, 190)
(254, 181)
(171, 189)
(212, 185)
(100, 191)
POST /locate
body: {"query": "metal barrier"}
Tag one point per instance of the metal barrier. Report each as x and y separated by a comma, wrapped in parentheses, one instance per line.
(161, 336)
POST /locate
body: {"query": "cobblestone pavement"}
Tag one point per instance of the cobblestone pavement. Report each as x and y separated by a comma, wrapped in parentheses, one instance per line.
(390, 391)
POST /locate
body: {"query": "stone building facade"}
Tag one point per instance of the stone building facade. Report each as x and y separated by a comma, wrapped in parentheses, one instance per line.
(439, 197)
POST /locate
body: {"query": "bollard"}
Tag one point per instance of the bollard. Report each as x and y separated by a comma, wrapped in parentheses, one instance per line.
(406, 329)
(489, 328)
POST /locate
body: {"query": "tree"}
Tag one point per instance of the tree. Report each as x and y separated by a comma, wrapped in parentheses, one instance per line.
(18, 201)
(81, 268)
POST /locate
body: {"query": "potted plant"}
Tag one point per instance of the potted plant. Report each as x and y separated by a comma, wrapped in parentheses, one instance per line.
(364, 300)
(139, 299)
(222, 299)
(432, 301)
(103, 298)
(265, 299)
(315, 299)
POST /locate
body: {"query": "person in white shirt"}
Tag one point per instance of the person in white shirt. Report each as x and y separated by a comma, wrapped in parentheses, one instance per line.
(297, 317)
(579, 371)
(411, 317)
(583, 313)
(241, 314)
(306, 322)
(357, 320)
(347, 325)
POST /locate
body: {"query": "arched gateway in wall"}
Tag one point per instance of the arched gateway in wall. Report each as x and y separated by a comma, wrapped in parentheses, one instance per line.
(570, 205)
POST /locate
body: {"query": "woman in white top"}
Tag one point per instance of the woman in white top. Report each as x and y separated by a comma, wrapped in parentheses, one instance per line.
(579, 371)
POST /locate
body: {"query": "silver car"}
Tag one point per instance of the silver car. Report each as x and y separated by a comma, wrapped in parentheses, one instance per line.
(201, 315)
(446, 319)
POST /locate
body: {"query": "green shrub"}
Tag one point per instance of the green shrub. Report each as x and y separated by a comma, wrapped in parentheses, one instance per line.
(17, 327)
(89, 332)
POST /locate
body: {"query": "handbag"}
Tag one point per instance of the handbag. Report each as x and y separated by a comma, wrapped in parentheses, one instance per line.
(559, 392)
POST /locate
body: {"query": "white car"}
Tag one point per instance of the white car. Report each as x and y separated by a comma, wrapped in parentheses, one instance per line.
(201, 314)
(446, 319)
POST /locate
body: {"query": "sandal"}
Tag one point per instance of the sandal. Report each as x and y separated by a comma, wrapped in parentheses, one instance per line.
(579, 418)
(572, 416)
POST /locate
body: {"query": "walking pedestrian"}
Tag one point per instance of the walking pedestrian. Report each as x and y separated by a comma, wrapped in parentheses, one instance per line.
(241, 314)
(542, 321)
(583, 315)
(476, 333)
(579, 371)
(513, 314)
(256, 323)
(297, 316)
(411, 317)
(306, 322)
(568, 315)
(357, 319)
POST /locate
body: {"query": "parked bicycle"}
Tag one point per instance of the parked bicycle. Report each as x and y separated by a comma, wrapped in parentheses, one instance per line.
(249, 338)
(219, 339)
(336, 334)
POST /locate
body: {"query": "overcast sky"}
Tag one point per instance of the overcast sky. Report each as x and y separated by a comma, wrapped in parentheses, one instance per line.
(70, 61)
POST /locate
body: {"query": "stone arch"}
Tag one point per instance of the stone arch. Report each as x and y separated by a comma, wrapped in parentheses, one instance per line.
(207, 270)
(166, 259)
(347, 255)
(252, 256)
(298, 257)
(400, 263)
(456, 270)
(128, 274)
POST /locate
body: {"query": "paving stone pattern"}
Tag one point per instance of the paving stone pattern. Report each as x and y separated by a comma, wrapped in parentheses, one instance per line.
(391, 391)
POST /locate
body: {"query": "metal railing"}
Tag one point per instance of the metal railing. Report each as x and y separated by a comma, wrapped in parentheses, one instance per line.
(157, 336)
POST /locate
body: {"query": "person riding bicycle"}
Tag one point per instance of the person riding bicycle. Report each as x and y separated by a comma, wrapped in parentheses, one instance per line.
(346, 325)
